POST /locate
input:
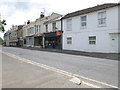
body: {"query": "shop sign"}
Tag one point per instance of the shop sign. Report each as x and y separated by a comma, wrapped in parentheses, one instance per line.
(58, 33)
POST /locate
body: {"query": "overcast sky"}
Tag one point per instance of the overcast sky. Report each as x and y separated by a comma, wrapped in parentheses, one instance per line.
(16, 12)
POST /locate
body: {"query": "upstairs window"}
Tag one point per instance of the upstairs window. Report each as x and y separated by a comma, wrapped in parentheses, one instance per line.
(92, 40)
(69, 24)
(83, 21)
(54, 27)
(46, 27)
(27, 31)
(31, 30)
(37, 28)
(102, 18)
(21, 34)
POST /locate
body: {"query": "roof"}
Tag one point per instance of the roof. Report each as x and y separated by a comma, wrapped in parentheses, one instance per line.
(54, 19)
(20, 26)
(91, 9)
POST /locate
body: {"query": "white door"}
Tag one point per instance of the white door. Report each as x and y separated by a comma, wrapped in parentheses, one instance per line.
(114, 43)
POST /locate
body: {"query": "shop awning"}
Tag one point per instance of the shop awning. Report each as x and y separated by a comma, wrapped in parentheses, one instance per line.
(53, 34)
(37, 35)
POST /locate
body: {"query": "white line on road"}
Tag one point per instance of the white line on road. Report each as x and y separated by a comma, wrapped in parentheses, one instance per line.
(58, 70)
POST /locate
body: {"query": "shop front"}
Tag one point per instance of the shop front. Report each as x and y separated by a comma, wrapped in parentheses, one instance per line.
(53, 40)
(38, 40)
(30, 41)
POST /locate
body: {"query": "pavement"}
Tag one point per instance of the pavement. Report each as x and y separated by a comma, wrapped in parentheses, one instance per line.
(18, 74)
(110, 56)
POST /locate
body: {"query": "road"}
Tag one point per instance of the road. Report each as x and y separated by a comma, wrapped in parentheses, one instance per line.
(101, 72)
(18, 74)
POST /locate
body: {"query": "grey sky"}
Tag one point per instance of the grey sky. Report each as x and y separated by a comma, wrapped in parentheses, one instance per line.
(18, 11)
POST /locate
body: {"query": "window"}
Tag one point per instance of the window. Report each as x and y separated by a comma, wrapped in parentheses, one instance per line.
(92, 40)
(69, 40)
(46, 27)
(83, 21)
(27, 31)
(21, 34)
(30, 31)
(102, 18)
(69, 24)
(37, 28)
(54, 26)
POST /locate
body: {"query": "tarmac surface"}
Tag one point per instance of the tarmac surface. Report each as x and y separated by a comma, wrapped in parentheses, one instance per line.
(18, 74)
(110, 56)
(103, 72)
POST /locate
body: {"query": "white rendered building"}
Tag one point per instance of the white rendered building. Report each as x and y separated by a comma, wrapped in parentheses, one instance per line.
(94, 29)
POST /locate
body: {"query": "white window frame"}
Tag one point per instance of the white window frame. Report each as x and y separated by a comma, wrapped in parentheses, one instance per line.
(54, 26)
(102, 18)
(92, 40)
(69, 24)
(38, 28)
(83, 21)
(69, 40)
(28, 32)
(46, 27)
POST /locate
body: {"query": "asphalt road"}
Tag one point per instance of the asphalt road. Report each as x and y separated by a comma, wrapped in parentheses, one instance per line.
(102, 70)
(18, 74)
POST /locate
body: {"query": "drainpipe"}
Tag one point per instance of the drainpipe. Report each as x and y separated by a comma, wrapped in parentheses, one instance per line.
(62, 33)
(43, 41)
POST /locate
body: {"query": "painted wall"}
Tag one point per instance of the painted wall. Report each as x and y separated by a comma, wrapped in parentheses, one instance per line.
(20, 33)
(80, 36)
(58, 25)
(30, 29)
(40, 22)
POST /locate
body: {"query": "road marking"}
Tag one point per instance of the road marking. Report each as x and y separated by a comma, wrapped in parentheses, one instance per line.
(58, 70)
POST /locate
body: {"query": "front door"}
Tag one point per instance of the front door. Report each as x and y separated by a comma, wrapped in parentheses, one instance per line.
(114, 43)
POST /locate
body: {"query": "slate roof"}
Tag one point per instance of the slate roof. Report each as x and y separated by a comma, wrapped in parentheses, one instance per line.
(91, 9)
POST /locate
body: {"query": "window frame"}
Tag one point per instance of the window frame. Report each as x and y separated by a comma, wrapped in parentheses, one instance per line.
(38, 28)
(69, 24)
(83, 21)
(69, 42)
(46, 27)
(54, 26)
(102, 18)
(92, 40)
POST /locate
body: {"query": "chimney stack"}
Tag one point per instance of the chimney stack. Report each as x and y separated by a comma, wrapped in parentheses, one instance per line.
(28, 22)
(42, 15)
(13, 27)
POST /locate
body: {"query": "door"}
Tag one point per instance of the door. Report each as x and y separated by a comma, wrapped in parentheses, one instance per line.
(114, 43)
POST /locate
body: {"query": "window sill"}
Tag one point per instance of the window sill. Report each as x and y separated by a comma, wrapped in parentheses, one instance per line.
(102, 25)
(83, 28)
(92, 44)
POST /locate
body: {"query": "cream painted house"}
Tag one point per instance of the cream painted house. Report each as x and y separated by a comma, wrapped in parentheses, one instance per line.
(30, 32)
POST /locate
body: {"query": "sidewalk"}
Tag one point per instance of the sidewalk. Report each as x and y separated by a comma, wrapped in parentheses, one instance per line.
(112, 56)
